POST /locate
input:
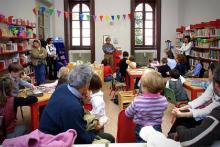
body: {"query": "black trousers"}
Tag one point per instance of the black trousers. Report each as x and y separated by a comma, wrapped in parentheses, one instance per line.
(52, 68)
(107, 136)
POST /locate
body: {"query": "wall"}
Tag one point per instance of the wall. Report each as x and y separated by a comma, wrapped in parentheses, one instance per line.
(169, 22)
(18, 8)
(196, 11)
(120, 30)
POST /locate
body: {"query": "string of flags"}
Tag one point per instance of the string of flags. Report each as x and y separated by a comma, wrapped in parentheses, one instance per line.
(83, 16)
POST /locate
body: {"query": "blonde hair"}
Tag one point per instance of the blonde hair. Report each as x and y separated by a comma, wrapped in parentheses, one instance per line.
(63, 71)
(152, 82)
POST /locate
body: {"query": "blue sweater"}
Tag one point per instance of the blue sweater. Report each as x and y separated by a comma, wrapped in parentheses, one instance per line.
(64, 111)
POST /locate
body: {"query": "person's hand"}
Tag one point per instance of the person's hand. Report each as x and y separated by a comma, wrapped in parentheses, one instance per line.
(99, 127)
(186, 107)
(179, 113)
(33, 87)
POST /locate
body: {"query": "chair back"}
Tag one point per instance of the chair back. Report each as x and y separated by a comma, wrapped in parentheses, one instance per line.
(126, 129)
(170, 95)
(2, 129)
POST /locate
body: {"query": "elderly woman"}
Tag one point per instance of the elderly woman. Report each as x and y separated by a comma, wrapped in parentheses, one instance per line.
(65, 111)
(38, 59)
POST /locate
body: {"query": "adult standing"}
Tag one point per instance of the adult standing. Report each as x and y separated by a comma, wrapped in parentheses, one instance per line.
(65, 108)
(51, 60)
(185, 50)
(38, 59)
(108, 49)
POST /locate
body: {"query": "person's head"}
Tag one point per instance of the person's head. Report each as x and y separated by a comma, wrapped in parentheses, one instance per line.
(80, 77)
(49, 40)
(186, 39)
(125, 54)
(5, 89)
(63, 71)
(150, 60)
(180, 58)
(15, 70)
(36, 44)
(152, 82)
(95, 83)
(164, 61)
(216, 80)
(170, 54)
(212, 67)
(108, 40)
(105, 62)
(174, 73)
(131, 58)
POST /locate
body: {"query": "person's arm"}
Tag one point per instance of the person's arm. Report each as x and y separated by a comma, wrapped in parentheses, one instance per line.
(77, 122)
(206, 96)
(35, 53)
(26, 84)
(104, 49)
(187, 47)
(43, 55)
(204, 134)
(197, 69)
(48, 50)
(130, 110)
(54, 84)
(21, 101)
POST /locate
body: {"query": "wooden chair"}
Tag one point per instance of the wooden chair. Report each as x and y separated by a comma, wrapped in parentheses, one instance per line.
(170, 95)
(125, 98)
(126, 129)
(116, 86)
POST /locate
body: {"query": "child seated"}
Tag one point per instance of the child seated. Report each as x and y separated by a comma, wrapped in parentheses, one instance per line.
(147, 108)
(122, 67)
(131, 63)
(164, 68)
(107, 71)
(176, 84)
(154, 63)
(8, 108)
(97, 101)
(196, 69)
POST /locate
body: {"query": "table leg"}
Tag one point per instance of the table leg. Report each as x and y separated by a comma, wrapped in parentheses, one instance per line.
(131, 83)
(127, 81)
(34, 116)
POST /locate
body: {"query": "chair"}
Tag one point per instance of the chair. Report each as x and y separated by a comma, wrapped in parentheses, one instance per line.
(2, 129)
(170, 95)
(116, 86)
(126, 129)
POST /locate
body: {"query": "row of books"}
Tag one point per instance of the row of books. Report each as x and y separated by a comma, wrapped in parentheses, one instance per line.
(203, 43)
(13, 47)
(209, 54)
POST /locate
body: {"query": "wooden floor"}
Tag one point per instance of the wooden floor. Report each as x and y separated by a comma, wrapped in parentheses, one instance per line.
(112, 111)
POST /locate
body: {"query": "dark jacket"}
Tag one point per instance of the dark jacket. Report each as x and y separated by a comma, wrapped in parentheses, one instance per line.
(204, 134)
(64, 111)
(181, 67)
(163, 69)
(123, 67)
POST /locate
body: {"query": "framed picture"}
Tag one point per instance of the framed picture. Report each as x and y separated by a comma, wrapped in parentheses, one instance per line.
(104, 37)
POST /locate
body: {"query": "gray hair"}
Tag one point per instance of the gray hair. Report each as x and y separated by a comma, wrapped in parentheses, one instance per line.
(80, 76)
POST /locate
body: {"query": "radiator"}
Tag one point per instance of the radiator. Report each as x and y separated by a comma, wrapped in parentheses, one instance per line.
(80, 55)
(142, 56)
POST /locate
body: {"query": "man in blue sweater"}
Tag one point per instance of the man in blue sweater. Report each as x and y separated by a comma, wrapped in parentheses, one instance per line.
(64, 110)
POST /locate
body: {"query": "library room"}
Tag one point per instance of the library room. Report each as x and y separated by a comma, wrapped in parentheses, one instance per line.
(110, 73)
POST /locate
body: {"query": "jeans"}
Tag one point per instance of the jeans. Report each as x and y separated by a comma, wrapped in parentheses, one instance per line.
(18, 131)
(40, 73)
(108, 78)
(138, 129)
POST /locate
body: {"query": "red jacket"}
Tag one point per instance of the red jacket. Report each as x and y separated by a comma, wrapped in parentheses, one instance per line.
(107, 71)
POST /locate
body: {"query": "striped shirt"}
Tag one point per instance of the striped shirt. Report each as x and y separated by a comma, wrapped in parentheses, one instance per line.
(147, 109)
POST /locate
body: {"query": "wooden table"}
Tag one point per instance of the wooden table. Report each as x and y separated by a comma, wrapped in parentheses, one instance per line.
(194, 89)
(131, 74)
(112, 145)
(42, 101)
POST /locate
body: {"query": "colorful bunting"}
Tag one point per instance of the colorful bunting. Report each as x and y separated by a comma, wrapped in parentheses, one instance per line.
(94, 17)
(124, 16)
(107, 18)
(113, 17)
(50, 11)
(101, 17)
(129, 15)
(58, 13)
(118, 17)
(88, 17)
(81, 16)
(42, 9)
(66, 14)
(35, 11)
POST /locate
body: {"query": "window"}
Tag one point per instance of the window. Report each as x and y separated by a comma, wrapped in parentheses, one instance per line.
(81, 25)
(145, 25)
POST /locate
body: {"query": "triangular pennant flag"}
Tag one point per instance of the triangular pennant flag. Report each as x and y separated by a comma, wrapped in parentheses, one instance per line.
(118, 17)
(101, 17)
(42, 9)
(58, 13)
(88, 17)
(107, 18)
(113, 17)
(81, 16)
(124, 16)
(66, 14)
(129, 15)
(94, 17)
(37, 6)
(50, 11)
(35, 11)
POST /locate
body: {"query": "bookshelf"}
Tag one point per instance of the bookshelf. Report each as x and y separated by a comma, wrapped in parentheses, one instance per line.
(15, 35)
(206, 41)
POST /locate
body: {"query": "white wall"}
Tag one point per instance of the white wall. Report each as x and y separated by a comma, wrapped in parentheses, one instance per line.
(169, 21)
(18, 9)
(196, 11)
(119, 30)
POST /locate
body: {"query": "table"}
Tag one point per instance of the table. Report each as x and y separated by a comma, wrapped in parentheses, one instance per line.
(125, 97)
(112, 145)
(42, 101)
(194, 89)
(131, 74)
